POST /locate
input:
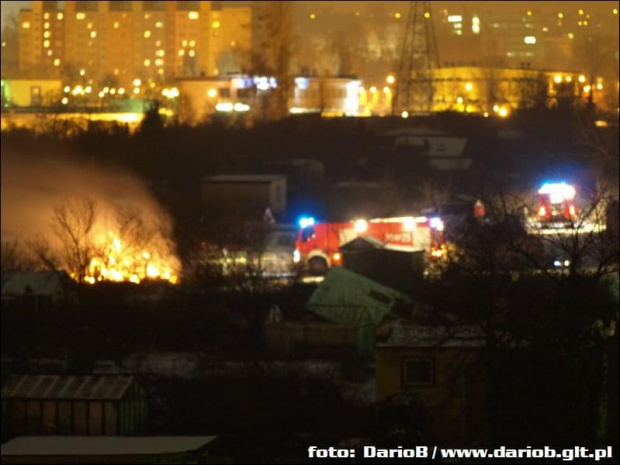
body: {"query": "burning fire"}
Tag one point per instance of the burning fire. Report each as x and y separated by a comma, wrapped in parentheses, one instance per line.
(118, 262)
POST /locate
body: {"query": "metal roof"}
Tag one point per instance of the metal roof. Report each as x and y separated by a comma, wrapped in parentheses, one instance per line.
(32, 283)
(103, 446)
(243, 178)
(66, 387)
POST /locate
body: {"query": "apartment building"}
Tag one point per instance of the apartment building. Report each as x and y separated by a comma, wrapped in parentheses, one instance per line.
(125, 41)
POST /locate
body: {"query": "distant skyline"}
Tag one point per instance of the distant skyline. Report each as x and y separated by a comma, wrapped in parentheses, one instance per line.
(9, 7)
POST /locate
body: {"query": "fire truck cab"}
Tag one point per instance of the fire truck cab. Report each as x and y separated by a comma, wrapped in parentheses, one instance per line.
(318, 244)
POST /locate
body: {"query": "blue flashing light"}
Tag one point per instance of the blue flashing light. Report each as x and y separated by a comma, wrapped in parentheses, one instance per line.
(304, 222)
(301, 83)
(557, 191)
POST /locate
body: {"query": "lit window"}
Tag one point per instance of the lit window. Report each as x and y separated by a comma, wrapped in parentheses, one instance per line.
(560, 15)
(116, 25)
(80, 16)
(47, 34)
(50, 53)
(181, 53)
(147, 63)
(192, 53)
(215, 24)
(147, 34)
(46, 16)
(46, 25)
(82, 72)
(193, 15)
(427, 15)
(160, 53)
(26, 25)
(192, 43)
(46, 43)
(184, 43)
(59, 16)
(396, 15)
(158, 43)
(160, 71)
(312, 16)
(89, 25)
(159, 62)
(56, 62)
(159, 24)
(418, 372)
(530, 40)
(93, 34)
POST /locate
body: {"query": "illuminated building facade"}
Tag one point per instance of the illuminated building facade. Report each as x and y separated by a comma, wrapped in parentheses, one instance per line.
(119, 42)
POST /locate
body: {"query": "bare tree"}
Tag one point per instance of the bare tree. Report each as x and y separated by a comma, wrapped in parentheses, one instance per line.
(73, 222)
(43, 254)
(274, 48)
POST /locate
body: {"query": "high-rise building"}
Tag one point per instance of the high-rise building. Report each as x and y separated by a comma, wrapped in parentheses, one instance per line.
(122, 42)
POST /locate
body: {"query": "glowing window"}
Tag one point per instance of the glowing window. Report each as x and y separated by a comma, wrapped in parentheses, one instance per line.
(215, 24)
(193, 15)
(80, 16)
(26, 25)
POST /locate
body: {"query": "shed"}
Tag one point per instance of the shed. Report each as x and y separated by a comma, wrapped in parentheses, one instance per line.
(346, 297)
(245, 191)
(442, 367)
(107, 450)
(73, 405)
(39, 291)
(369, 257)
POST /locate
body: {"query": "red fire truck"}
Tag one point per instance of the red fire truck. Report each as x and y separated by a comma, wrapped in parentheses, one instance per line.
(318, 244)
(556, 203)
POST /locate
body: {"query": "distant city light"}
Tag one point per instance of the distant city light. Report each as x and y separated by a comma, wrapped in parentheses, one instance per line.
(557, 78)
(405, 114)
(459, 100)
(587, 89)
(65, 100)
(582, 78)
(469, 87)
(212, 93)
(568, 79)
(386, 90)
(503, 112)
(373, 89)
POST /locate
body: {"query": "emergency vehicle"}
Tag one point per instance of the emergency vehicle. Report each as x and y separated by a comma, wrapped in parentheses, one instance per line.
(318, 244)
(556, 204)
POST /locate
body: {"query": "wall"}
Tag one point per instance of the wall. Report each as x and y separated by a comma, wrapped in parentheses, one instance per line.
(456, 402)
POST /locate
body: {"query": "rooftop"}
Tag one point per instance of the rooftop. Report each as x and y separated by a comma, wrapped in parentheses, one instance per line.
(66, 387)
(103, 445)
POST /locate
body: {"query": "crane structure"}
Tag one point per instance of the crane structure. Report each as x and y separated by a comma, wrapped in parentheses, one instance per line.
(414, 91)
